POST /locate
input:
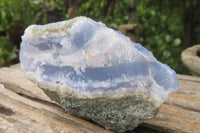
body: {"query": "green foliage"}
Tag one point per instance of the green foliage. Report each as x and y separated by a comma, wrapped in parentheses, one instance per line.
(22, 13)
(161, 32)
(111, 12)
(197, 28)
(18, 12)
(7, 52)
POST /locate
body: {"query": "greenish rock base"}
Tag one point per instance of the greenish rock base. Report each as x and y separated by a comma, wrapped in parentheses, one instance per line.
(117, 114)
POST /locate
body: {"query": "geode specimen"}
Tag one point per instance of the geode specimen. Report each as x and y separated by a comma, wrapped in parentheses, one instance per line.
(95, 72)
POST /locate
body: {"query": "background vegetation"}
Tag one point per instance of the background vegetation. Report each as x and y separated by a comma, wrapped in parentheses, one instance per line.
(165, 27)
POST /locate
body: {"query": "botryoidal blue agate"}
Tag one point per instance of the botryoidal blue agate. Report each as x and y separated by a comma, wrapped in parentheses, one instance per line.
(95, 72)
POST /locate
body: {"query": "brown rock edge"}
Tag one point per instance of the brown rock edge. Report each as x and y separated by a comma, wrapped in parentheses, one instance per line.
(25, 108)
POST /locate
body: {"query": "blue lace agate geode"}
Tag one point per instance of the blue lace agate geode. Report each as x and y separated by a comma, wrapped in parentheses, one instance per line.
(95, 72)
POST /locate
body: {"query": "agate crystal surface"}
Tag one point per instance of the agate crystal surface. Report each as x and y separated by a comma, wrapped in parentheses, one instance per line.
(95, 72)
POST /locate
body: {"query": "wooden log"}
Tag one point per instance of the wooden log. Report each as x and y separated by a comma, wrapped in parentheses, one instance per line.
(24, 107)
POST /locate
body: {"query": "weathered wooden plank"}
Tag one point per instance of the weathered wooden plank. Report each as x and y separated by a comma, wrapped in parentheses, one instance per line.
(14, 79)
(181, 110)
(25, 108)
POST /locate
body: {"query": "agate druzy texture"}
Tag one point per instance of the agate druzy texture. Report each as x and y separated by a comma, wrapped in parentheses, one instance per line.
(95, 72)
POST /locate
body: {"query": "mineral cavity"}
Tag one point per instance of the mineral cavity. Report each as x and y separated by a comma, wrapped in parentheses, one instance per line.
(95, 72)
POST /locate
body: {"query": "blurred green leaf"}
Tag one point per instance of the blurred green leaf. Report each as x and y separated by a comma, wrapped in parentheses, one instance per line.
(168, 38)
(166, 54)
(177, 42)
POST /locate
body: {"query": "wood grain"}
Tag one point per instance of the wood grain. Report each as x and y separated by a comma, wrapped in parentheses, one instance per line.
(181, 111)
(24, 108)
